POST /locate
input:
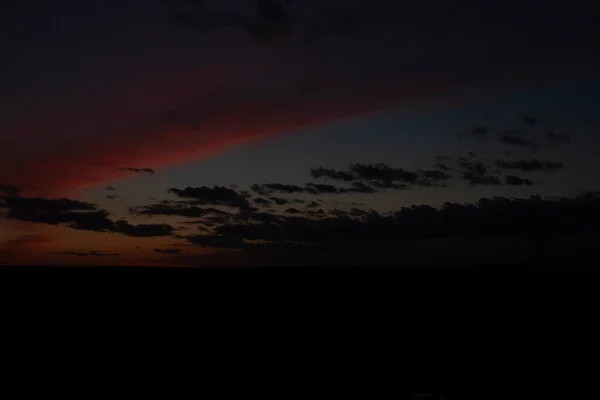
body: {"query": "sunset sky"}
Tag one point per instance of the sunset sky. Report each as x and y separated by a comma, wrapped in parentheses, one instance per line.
(119, 105)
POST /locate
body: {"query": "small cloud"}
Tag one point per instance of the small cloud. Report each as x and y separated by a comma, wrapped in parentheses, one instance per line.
(477, 168)
(321, 172)
(294, 211)
(316, 188)
(479, 132)
(480, 180)
(260, 201)
(558, 137)
(531, 121)
(516, 181)
(110, 188)
(138, 170)
(217, 195)
(280, 201)
(436, 175)
(268, 188)
(529, 165)
(517, 141)
(358, 187)
(171, 251)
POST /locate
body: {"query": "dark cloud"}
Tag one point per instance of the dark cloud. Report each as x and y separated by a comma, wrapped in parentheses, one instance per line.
(358, 187)
(443, 167)
(480, 180)
(530, 165)
(531, 121)
(217, 195)
(317, 188)
(382, 173)
(316, 213)
(110, 188)
(471, 154)
(517, 141)
(138, 170)
(168, 251)
(294, 211)
(112, 196)
(435, 175)
(209, 215)
(90, 254)
(558, 137)
(390, 185)
(76, 215)
(475, 168)
(143, 230)
(496, 217)
(379, 176)
(443, 158)
(313, 204)
(259, 201)
(269, 188)
(479, 132)
(321, 172)
(280, 201)
(516, 181)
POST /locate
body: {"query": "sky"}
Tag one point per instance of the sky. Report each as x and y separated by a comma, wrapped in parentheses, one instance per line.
(118, 106)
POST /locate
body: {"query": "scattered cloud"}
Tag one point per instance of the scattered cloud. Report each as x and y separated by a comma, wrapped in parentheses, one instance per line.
(321, 172)
(313, 204)
(479, 132)
(558, 137)
(517, 141)
(435, 175)
(530, 165)
(217, 195)
(318, 188)
(280, 201)
(259, 201)
(76, 215)
(531, 121)
(480, 180)
(476, 168)
(269, 188)
(494, 217)
(516, 181)
(137, 170)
